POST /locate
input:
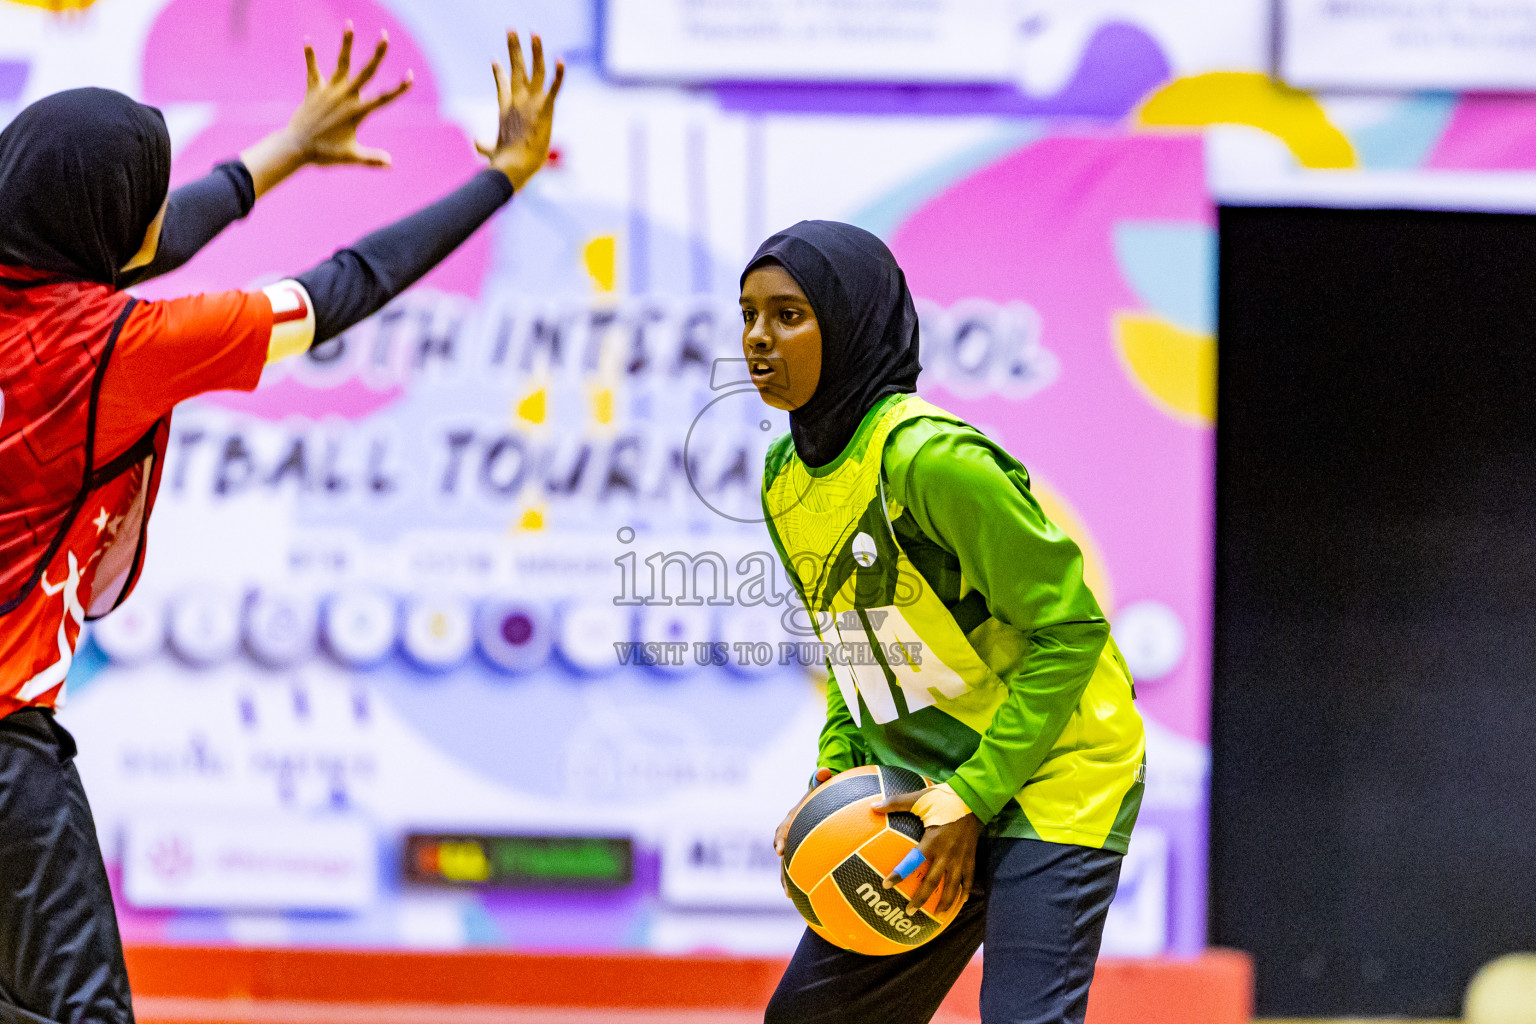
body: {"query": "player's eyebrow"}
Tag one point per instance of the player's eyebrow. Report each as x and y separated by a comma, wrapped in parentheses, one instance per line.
(778, 298)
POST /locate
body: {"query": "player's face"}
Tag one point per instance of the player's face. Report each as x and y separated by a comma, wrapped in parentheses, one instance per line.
(780, 337)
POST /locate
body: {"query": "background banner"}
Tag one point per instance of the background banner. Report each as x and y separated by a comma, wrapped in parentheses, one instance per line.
(368, 692)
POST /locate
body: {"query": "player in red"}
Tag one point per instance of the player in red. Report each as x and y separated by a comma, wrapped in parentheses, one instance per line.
(88, 379)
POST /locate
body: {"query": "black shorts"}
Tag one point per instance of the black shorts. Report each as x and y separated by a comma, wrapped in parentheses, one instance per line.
(1039, 906)
(61, 959)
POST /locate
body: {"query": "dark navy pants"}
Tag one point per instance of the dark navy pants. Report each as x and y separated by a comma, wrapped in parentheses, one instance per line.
(61, 959)
(1041, 915)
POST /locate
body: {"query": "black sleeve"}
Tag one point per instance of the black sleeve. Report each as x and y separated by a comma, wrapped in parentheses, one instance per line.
(195, 214)
(357, 281)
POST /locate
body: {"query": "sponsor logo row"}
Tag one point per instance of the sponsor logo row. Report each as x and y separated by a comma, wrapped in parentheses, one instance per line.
(364, 628)
(333, 864)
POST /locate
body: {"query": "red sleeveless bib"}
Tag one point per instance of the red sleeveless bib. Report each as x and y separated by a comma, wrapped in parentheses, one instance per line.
(71, 532)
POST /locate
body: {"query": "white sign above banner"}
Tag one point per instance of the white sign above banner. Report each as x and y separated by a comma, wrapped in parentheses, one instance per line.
(810, 40)
(1412, 44)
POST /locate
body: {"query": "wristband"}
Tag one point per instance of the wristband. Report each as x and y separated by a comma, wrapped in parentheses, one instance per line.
(293, 319)
(940, 806)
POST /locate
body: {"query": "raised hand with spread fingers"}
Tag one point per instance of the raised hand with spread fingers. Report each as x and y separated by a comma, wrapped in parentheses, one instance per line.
(527, 112)
(323, 130)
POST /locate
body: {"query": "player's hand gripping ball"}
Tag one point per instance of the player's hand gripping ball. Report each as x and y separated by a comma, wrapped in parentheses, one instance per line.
(837, 853)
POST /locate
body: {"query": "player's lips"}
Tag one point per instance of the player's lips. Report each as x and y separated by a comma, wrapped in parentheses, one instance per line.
(761, 369)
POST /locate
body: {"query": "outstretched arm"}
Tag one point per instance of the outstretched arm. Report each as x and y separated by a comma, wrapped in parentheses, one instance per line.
(323, 130)
(173, 349)
(360, 279)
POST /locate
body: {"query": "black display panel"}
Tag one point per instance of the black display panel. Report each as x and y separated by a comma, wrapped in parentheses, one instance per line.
(1374, 735)
(519, 861)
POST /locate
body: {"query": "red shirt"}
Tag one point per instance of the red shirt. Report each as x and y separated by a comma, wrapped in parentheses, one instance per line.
(171, 350)
(166, 352)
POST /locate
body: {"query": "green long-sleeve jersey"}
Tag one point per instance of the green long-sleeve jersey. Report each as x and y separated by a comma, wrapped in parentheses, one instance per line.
(1058, 754)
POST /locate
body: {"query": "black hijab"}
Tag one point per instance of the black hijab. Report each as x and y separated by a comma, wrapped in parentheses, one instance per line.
(82, 174)
(868, 328)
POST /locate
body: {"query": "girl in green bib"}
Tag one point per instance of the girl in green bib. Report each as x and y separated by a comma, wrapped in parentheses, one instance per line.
(912, 536)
